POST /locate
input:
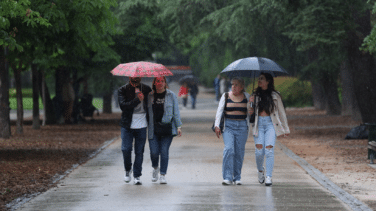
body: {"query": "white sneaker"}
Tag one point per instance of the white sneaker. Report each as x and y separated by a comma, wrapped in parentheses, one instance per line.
(238, 182)
(128, 176)
(261, 176)
(137, 181)
(268, 181)
(162, 179)
(155, 175)
(226, 182)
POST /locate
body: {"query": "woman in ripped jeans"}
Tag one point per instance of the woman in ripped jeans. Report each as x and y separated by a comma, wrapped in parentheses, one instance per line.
(270, 123)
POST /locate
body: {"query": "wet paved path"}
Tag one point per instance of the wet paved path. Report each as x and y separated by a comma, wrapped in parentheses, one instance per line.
(194, 179)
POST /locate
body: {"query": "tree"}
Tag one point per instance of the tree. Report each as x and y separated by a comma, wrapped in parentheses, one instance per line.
(18, 11)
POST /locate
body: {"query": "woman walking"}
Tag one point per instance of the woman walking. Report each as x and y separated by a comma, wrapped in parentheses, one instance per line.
(235, 131)
(164, 124)
(183, 93)
(270, 122)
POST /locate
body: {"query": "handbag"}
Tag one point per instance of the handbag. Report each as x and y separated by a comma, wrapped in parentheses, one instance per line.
(222, 122)
(162, 129)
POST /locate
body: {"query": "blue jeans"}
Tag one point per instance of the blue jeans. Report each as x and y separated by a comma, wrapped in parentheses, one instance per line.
(266, 137)
(139, 136)
(159, 146)
(235, 137)
(193, 99)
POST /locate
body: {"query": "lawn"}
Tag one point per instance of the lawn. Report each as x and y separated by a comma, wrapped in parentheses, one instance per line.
(28, 103)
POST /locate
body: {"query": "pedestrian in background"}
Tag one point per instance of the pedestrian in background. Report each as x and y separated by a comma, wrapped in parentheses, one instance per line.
(164, 124)
(183, 93)
(270, 122)
(217, 87)
(193, 91)
(134, 121)
(222, 85)
(68, 99)
(235, 130)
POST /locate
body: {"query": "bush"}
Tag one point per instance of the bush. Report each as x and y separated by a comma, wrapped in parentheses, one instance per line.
(294, 92)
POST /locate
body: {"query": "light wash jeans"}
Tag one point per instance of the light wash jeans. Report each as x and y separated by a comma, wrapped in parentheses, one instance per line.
(235, 137)
(159, 146)
(266, 137)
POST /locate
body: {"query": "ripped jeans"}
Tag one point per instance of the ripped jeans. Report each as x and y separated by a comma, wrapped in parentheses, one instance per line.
(266, 137)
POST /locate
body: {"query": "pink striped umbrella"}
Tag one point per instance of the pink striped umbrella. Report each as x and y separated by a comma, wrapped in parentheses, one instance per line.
(141, 69)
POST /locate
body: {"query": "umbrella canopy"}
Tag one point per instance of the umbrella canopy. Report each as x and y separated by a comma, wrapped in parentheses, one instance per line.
(252, 67)
(141, 69)
(189, 79)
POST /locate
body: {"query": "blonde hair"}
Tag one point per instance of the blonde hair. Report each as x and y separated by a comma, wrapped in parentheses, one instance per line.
(240, 80)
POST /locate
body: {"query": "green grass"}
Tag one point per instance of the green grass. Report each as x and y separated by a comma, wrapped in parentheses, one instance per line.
(28, 103)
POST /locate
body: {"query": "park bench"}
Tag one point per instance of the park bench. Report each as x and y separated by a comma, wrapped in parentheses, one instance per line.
(372, 147)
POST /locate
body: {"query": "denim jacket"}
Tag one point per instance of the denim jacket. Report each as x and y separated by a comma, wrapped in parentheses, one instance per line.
(171, 113)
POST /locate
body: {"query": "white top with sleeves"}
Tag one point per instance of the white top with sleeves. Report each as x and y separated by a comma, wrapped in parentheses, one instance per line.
(221, 107)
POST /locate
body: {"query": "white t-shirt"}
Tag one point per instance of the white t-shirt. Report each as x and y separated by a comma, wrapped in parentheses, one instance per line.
(139, 117)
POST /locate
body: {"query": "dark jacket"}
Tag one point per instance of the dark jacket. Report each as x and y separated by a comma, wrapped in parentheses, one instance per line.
(128, 101)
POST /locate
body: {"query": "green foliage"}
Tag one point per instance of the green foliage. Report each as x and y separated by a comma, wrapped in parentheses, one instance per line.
(294, 92)
(19, 11)
(369, 43)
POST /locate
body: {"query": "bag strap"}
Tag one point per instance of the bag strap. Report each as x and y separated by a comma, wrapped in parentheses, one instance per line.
(226, 98)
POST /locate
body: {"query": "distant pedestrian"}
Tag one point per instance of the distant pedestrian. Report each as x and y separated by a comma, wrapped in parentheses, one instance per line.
(235, 130)
(134, 122)
(216, 85)
(116, 99)
(183, 93)
(164, 124)
(270, 122)
(193, 91)
(223, 85)
(68, 99)
(76, 114)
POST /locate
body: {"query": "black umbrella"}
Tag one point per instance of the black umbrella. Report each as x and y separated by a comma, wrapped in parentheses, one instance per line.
(189, 79)
(252, 67)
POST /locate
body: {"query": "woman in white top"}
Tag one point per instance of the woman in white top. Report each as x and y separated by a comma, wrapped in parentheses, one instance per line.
(235, 131)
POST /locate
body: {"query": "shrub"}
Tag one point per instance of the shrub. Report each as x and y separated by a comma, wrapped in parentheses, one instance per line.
(294, 92)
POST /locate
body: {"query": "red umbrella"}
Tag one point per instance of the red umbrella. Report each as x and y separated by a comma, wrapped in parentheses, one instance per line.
(141, 69)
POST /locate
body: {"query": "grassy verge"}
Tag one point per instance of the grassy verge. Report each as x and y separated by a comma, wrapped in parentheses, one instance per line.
(28, 103)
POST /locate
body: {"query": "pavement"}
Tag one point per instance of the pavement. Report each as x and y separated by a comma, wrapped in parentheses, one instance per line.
(194, 178)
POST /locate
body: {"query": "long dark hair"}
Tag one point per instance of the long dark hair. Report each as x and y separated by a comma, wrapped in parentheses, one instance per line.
(153, 85)
(266, 103)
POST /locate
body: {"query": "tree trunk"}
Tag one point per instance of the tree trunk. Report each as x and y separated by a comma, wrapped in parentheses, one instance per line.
(362, 66)
(333, 106)
(349, 103)
(20, 114)
(107, 103)
(318, 96)
(49, 108)
(36, 121)
(60, 77)
(4, 96)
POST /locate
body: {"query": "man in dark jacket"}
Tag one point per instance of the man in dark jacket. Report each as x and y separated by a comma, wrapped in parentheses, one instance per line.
(134, 120)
